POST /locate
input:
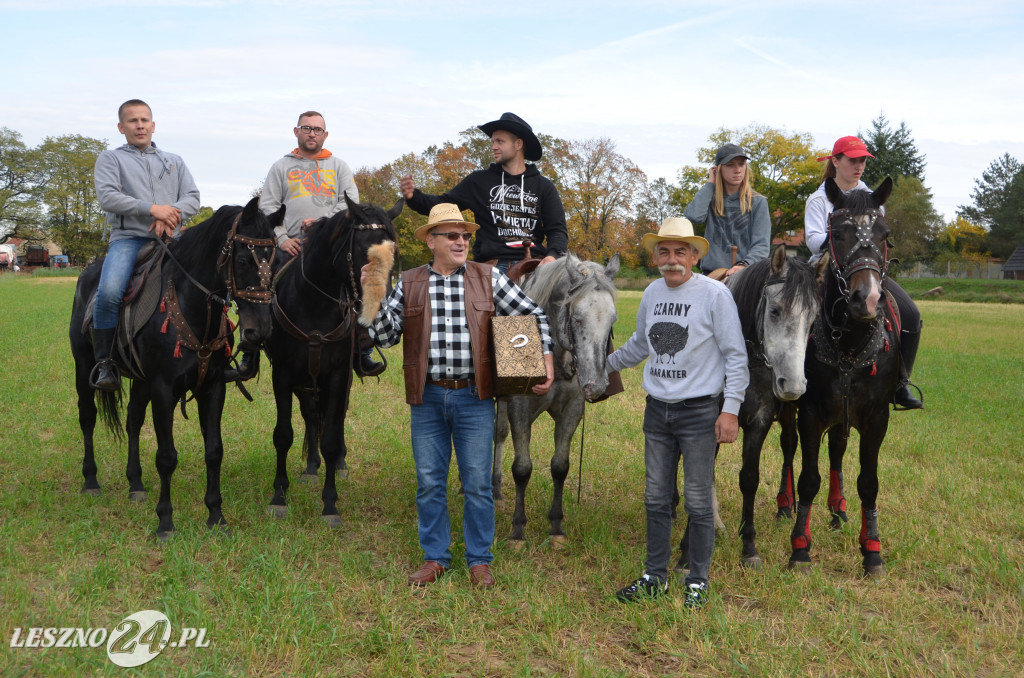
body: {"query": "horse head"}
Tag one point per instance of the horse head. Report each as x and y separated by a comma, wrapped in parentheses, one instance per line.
(584, 321)
(788, 302)
(858, 244)
(245, 261)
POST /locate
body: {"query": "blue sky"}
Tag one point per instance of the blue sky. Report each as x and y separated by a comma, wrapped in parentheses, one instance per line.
(227, 79)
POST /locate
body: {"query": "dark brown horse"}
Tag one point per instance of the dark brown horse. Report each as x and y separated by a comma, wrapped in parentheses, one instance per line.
(852, 368)
(319, 299)
(182, 347)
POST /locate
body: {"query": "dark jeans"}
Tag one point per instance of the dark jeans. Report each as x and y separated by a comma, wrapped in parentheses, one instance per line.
(672, 430)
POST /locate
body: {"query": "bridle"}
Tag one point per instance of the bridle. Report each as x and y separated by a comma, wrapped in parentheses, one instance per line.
(756, 352)
(852, 264)
(264, 292)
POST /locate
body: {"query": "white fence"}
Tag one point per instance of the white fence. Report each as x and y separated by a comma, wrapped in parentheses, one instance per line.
(954, 269)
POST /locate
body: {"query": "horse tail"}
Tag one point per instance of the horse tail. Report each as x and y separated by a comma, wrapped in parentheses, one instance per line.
(109, 406)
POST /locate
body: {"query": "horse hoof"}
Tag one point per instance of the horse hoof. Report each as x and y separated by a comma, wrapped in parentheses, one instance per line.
(516, 544)
(163, 535)
(277, 511)
(800, 567)
(752, 563)
(559, 541)
(92, 491)
(221, 529)
(332, 521)
(874, 571)
(309, 479)
(784, 513)
(137, 496)
(341, 473)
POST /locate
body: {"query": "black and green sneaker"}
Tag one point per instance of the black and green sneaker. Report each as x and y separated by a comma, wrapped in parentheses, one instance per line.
(644, 587)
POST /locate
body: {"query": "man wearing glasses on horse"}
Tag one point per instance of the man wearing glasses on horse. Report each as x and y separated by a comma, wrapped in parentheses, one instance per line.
(146, 193)
(510, 200)
(311, 183)
(442, 313)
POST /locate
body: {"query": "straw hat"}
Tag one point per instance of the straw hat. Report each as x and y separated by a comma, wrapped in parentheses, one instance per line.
(443, 213)
(676, 228)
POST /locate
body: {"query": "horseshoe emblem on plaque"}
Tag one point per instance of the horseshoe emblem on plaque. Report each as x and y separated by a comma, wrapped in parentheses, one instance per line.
(519, 341)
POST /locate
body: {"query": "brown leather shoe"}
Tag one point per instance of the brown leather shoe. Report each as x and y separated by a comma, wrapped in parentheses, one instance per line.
(428, 573)
(480, 575)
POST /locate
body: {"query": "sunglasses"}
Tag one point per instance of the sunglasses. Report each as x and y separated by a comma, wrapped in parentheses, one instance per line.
(453, 236)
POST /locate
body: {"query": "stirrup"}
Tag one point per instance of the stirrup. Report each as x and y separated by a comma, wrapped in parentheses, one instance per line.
(115, 371)
(920, 396)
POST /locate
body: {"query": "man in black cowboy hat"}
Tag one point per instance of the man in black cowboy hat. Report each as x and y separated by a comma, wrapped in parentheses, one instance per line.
(510, 200)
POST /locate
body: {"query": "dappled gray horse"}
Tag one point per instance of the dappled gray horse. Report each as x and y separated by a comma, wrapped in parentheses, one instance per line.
(579, 300)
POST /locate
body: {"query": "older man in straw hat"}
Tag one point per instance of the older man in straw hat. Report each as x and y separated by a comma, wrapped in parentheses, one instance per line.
(688, 329)
(444, 310)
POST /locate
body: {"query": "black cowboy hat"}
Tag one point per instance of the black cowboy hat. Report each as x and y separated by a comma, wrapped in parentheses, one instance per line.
(510, 122)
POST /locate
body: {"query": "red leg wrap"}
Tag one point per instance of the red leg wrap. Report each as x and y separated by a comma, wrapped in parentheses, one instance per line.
(836, 500)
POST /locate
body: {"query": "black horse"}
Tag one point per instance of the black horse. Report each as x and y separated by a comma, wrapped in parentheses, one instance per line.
(853, 366)
(318, 302)
(227, 257)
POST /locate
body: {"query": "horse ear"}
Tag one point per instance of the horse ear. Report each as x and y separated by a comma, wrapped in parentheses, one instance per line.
(572, 267)
(881, 193)
(249, 212)
(779, 260)
(277, 218)
(354, 208)
(611, 269)
(396, 210)
(819, 271)
(832, 191)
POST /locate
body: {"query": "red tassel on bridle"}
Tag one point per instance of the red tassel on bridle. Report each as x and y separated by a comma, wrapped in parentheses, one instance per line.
(163, 305)
(177, 349)
(874, 368)
(163, 328)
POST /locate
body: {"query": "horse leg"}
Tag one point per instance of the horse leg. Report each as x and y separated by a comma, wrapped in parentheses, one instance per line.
(567, 421)
(166, 457)
(138, 401)
(308, 407)
(283, 436)
(867, 488)
(333, 423)
(836, 498)
(522, 465)
(754, 434)
(500, 435)
(210, 402)
(807, 488)
(87, 422)
(786, 498)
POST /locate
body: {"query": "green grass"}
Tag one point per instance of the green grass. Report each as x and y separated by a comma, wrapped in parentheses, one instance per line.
(966, 289)
(292, 597)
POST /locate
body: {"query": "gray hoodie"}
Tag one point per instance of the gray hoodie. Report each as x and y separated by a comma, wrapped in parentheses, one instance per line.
(130, 181)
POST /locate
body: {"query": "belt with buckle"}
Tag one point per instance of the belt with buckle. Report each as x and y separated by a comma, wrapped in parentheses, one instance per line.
(453, 384)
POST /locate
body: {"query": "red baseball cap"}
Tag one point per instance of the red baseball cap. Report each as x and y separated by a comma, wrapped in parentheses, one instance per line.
(851, 147)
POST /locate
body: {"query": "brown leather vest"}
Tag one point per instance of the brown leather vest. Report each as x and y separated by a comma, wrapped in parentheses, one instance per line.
(416, 320)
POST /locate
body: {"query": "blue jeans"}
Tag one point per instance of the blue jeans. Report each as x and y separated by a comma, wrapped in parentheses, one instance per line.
(454, 417)
(117, 270)
(671, 430)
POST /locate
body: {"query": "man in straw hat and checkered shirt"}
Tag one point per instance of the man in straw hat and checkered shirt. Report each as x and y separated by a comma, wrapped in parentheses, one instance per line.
(688, 329)
(444, 311)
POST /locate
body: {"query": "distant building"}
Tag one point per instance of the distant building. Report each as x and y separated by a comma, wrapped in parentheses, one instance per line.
(1013, 268)
(792, 240)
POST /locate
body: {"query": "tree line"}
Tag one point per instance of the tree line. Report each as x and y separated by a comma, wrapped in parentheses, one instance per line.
(47, 192)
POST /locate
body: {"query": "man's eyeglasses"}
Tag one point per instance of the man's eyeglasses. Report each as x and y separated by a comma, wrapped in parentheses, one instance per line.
(315, 130)
(453, 235)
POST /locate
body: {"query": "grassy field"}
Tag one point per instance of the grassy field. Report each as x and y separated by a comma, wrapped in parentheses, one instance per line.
(292, 597)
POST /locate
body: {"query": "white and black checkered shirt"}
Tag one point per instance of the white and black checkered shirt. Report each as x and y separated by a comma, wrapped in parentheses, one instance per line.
(449, 355)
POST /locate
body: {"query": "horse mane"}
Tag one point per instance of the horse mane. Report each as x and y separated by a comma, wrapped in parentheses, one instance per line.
(199, 246)
(801, 287)
(549, 286)
(324, 236)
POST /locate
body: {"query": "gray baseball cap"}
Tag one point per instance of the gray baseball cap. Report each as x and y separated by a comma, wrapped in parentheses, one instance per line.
(729, 152)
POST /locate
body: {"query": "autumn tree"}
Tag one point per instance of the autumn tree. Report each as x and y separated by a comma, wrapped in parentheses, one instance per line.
(74, 220)
(600, 189)
(782, 166)
(999, 204)
(913, 219)
(895, 153)
(20, 175)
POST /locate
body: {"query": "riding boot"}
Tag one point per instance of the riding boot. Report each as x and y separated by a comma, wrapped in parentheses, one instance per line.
(105, 376)
(904, 398)
(248, 367)
(364, 365)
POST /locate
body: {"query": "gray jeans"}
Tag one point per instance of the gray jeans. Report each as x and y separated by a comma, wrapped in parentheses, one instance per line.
(672, 430)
